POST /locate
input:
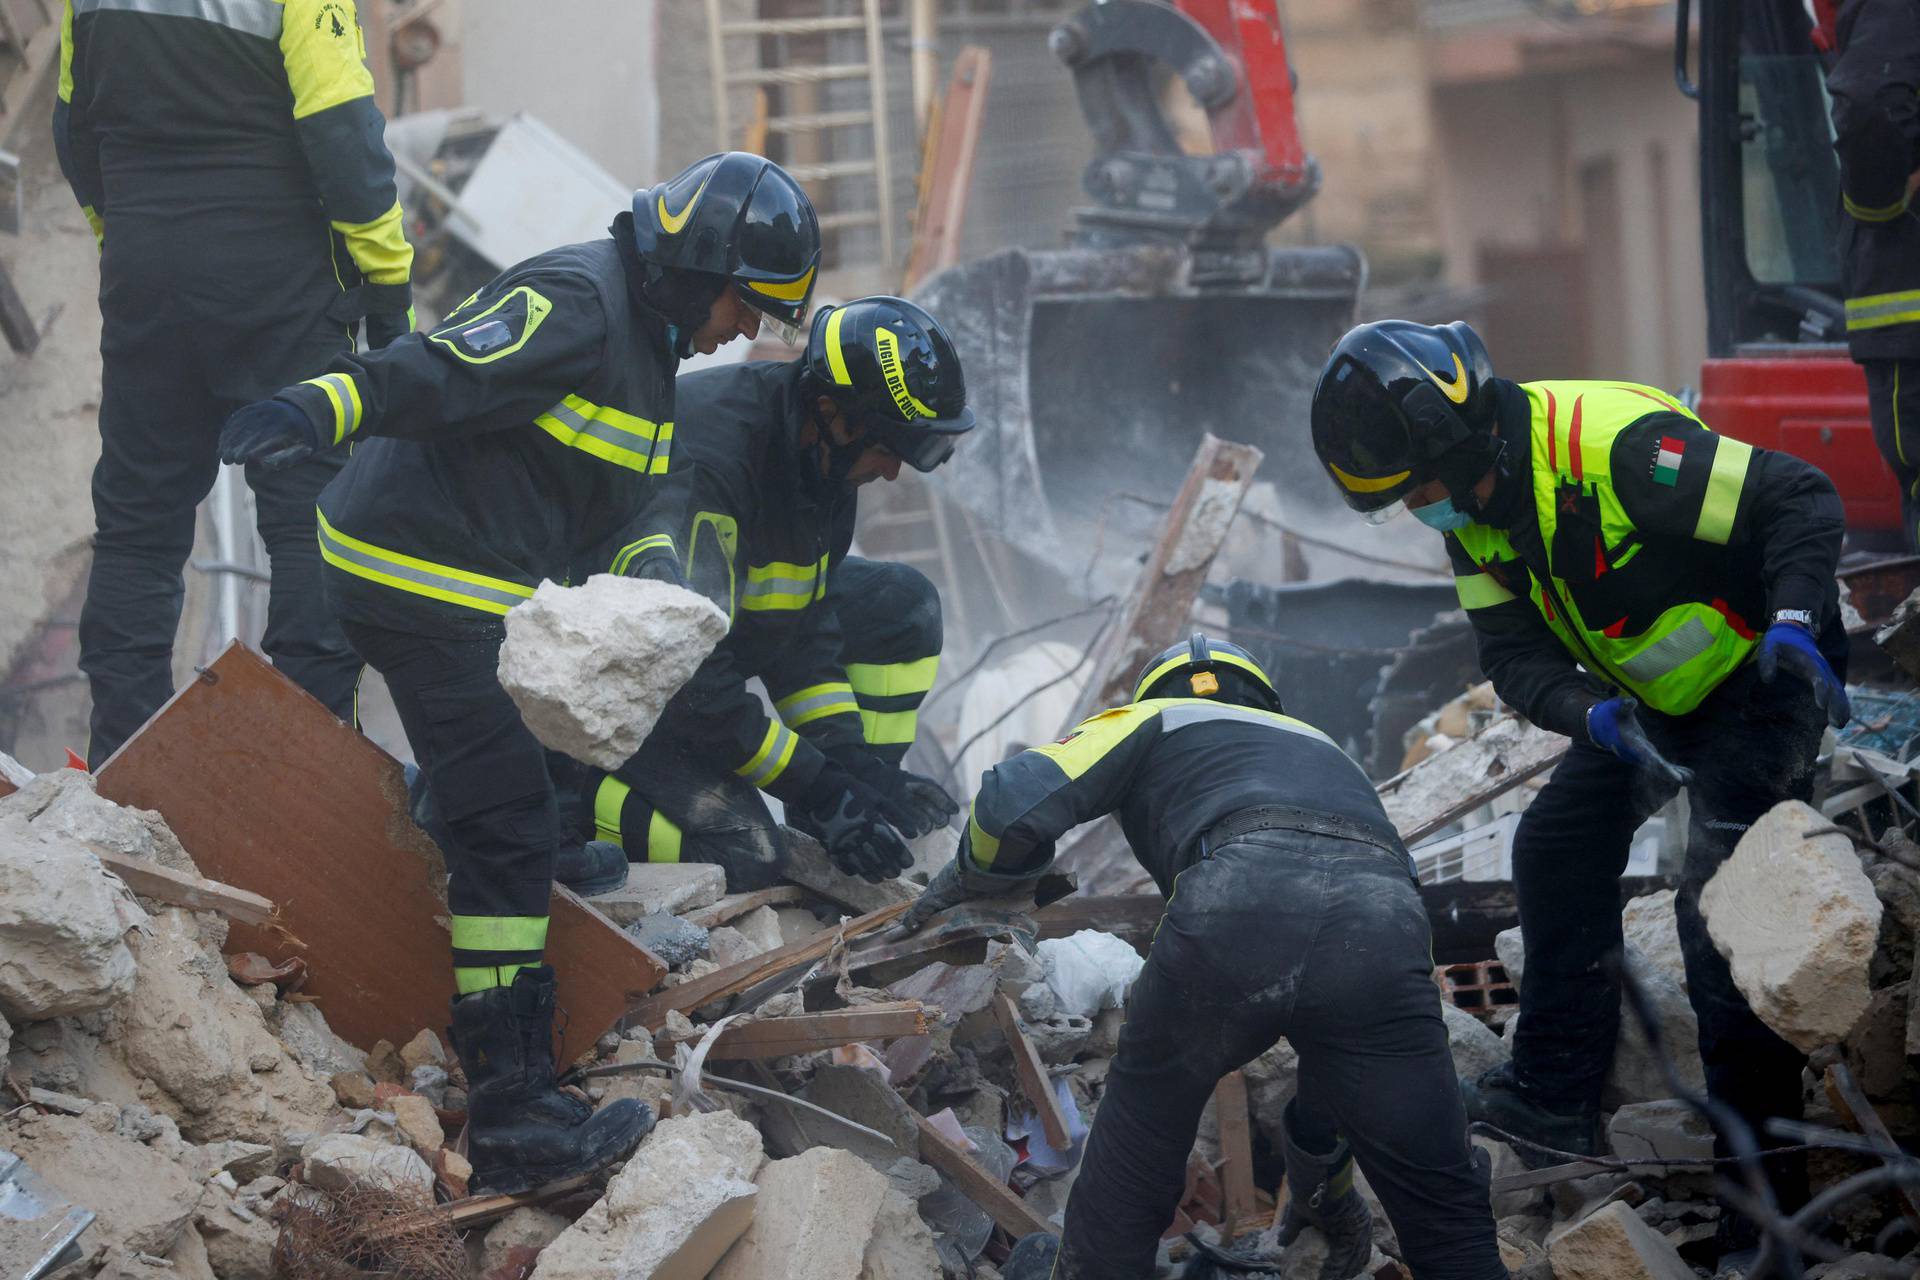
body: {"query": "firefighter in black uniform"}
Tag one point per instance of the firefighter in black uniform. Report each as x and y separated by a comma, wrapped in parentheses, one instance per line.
(1875, 85)
(1291, 911)
(229, 154)
(1639, 584)
(524, 439)
(847, 647)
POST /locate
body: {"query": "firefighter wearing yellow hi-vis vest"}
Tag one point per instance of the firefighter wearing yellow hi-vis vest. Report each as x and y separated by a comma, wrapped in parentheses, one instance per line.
(529, 436)
(1662, 595)
(847, 647)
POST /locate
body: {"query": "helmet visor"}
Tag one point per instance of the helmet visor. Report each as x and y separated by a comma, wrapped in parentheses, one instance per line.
(922, 445)
(1381, 515)
(781, 318)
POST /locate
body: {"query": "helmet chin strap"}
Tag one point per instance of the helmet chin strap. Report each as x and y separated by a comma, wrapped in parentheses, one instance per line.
(829, 474)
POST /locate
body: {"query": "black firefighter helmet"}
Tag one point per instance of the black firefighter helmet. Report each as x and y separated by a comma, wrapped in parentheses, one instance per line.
(1400, 405)
(893, 371)
(1205, 668)
(739, 217)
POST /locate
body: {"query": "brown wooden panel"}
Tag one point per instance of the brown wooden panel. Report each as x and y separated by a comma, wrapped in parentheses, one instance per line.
(271, 794)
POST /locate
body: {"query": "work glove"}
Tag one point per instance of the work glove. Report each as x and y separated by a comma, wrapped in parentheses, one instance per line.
(273, 433)
(944, 891)
(913, 803)
(1789, 645)
(1614, 725)
(853, 827)
(384, 326)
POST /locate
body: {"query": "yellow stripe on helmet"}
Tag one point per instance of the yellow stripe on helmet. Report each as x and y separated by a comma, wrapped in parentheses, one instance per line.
(1360, 484)
(791, 291)
(836, 354)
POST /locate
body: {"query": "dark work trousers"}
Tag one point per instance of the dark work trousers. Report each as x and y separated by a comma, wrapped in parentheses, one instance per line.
(888, 614)
(1751, 745)
(485, 769)
(1322, 940)
(183, 343)
(1893, 399)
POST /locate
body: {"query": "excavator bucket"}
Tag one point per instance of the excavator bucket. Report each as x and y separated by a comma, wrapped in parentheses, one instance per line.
(1094, 372)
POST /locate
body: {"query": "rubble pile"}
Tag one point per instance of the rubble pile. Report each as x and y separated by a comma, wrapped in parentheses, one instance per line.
(204, 1110)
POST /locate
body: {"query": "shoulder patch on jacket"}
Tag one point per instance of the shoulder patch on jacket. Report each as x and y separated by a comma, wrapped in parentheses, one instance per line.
(498, 329)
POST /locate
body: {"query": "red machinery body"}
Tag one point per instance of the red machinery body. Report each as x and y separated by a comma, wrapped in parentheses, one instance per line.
(1261, 117)
(1813, 406)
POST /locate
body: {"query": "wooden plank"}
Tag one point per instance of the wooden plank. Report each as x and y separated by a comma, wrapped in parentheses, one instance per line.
(652, 1012)
(806, 1032)
(1032, 1074)
(1012, 1214)
(1446, 787)
(273, 795)
(1230, 1107)
(152, 880)
(735, 905)
(941, 217)
(1161, 603)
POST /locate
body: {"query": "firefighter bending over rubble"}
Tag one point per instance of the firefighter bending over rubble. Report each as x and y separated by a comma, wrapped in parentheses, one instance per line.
(1641, 585)
(527, 437)
(1292, 911)
(847, 647)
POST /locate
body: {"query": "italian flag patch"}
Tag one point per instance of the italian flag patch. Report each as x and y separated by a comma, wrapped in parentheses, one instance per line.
(1666, 463)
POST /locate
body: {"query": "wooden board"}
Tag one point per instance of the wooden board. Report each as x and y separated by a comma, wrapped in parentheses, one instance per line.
(150, 879)
(735, 905)
(948, 174)
(1446, 787)
(1012, 1214)
(1032, 1074)
(1236, 1152)
(271, 794)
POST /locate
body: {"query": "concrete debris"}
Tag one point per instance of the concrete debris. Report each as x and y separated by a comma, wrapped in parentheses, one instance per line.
(1475, 1046)
(1653, 931)
(1798, 920)
(1900, 637)
(415, 1118)
(809, 867)
(675, 941)
(145, 1200)
(1614, 1244)
(672, 1212)
(591, 667)
(303, 1029)
(1665, 1130)
(823, 1215)
(528, 1228)
(340, 1161)
(671, 887)
(424, 1050)
(63, 925)
(63, 802)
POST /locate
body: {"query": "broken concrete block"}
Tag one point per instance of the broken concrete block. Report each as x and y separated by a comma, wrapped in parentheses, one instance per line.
(354, 1089)
(809, 867)
(683, 1199)
(1474, 1045)
(63, 926)
(424, 1050)
(339, 1161)
(1272, 1079)
(1511, 948)
(761, 927)
(1797, 920)
(192, 1033)
(672, 887)
(1636, 1075)
(1614, 1244)
(674, 941)
(63, 802)
(1664, 1130)
(303, 1030)
(1876, 1048)
(591, 667)
(860, 1096)
(1653, 930)
(418, 1124)
(145, 1201)
(384, 1065)
(902, 1246)
(527, 1228)
(239, 1241)
(1900, 637)
(814, 1220)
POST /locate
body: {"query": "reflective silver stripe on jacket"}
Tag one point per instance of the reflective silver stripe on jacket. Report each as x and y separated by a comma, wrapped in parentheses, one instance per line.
(1186, 713)
(1669, 653)
(254, 17)
(439, 585)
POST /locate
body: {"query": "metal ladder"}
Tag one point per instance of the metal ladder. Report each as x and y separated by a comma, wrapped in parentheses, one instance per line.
(872, 69)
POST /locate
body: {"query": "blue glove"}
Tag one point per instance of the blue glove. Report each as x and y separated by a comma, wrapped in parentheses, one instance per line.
(1614, 725)
(1790, 645)
(272, 433)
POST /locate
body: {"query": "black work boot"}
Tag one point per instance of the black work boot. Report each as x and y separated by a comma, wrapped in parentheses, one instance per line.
(522, 1131)
(1320, 1194)
(598, 866)
(1496, 1098)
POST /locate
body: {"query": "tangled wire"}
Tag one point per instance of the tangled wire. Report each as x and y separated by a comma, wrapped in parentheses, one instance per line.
(361, 1232)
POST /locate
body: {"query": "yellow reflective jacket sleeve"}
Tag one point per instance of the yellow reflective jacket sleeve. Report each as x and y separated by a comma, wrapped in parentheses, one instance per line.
(75, 143)
(1676, 479)
(1027, 803)
(342, 132)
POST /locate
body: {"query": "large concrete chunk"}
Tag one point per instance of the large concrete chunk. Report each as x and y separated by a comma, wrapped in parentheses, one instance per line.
(1614, 1244)
(1475, 1046)
(590, 667)
(63, 802)
(1665, 1130)
(342, 1161)
(145, 1201)
(63, 926)
(1797, 919)
(672, 887)
(814, 1221)
(680, 1203)
(1652, 929)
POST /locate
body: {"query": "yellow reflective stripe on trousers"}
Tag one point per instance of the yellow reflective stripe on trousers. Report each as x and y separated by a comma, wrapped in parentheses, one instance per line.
(1480, 591)
(608, 434)
(422, 577)
(889, 728)
(663, 838)
(1878, 310)
(815, 701)
(344, 396)
(468, 979)
(608, 799)
(1865, 213)
(626, 554)
(780, 585)
(499, 933)
(891, 679)
(1731, 458)
(771, 760)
